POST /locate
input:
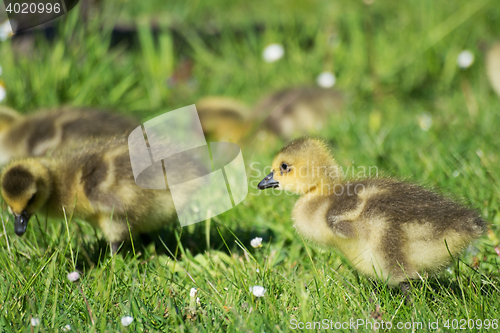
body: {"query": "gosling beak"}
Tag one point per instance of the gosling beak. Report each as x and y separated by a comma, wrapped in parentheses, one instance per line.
(21, 222)
(268, 182)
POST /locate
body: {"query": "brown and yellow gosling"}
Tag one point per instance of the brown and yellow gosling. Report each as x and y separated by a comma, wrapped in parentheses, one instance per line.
(46, 131)
(299, 110)
(224, 118)
(386, 228)
(285, 113)
(93, 183)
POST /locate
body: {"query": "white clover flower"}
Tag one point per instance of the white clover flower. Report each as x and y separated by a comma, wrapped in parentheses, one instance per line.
(326, 80)
(35, 321)
(425, 121)
(66, 328)
(127, 320)
(5, 31)
(73, 276)
(3, 92)
(257, 291)
(465, 59)
(256, 242)
(193, 292)
(273, 52)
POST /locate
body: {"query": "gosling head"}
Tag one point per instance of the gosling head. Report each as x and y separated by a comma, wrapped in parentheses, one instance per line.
(304, 165)
(25, 189)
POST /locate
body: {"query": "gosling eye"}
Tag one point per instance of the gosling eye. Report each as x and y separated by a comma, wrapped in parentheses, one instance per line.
(285, 167)
(31, 200)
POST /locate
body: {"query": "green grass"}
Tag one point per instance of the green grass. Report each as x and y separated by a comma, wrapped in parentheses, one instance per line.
(395, 60)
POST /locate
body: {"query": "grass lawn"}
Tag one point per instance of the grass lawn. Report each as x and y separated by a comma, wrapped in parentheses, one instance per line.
(412, 113)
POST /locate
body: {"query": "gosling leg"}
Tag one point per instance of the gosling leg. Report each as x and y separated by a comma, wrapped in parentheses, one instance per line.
(405, 289)
(115, 246)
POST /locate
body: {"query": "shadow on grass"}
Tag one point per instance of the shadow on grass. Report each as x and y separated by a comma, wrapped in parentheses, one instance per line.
(171, 241)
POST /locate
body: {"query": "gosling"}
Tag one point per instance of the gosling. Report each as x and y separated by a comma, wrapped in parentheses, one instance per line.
(286, 113)
(223, 118)
(299, 111)
(386, 228)
(493, 67)
(47, 131)
(94, 183)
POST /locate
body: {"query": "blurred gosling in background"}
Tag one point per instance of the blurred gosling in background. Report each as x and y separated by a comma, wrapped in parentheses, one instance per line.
(287, 113)
(493, 67)
(298, 111)
(42, 132)
(223, 118)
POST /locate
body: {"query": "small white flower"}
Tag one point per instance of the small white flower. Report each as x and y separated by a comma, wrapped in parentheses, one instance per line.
(273, 53)
(257, 291)
(127, 320)
(326, 80)
(5, 31)
(66, 328)
(465, 59)
(73, 276)
(193, 292)
(425, 121)
(256, 242)
(3, 92)
(257, 270)
(35, 321)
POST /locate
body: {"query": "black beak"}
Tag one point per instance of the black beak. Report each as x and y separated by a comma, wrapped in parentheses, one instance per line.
(21, 222)
(268, 182)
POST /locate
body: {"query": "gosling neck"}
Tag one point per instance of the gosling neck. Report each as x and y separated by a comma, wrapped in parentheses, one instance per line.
(325, 180)
(324, 187)
(45, 184)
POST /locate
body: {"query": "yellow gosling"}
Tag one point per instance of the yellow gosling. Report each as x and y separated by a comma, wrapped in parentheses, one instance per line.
(386, 228)
(93, 183)
(223, 118)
